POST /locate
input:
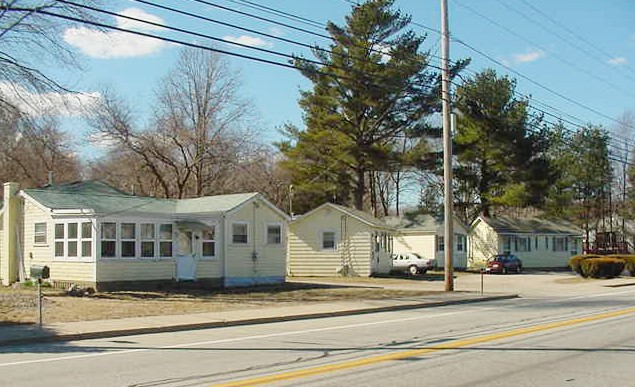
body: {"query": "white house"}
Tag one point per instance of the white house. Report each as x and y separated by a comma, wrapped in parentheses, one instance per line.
(539, 243)
(424, 235)
(335, 240)
(91, 234)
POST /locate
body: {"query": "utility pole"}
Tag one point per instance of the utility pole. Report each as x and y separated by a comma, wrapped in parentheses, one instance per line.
(447, 149)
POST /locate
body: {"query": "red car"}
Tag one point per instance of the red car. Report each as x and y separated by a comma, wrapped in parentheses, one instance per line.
(504, 264)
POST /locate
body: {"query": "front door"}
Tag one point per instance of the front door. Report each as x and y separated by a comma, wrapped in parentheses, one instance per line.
(185, 261)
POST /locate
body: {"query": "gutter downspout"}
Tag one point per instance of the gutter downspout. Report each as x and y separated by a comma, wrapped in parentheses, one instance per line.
(223, 261)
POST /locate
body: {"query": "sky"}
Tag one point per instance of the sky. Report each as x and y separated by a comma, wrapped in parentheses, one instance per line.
(574, 58)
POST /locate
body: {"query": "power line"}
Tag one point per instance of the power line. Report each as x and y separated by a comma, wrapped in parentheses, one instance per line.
(273, 11)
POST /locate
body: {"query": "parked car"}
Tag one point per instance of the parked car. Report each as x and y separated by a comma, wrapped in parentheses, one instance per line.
(412, 263)
(504, 263)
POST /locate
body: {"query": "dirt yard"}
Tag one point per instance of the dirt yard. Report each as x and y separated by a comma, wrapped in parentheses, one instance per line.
(19, 306)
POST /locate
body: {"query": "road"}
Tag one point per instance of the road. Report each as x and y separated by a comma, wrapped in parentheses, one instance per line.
(581, 340)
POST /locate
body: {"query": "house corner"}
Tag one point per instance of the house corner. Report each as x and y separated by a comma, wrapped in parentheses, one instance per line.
(8, 253)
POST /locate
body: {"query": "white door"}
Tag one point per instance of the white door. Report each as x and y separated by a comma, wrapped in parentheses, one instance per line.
(185, 261)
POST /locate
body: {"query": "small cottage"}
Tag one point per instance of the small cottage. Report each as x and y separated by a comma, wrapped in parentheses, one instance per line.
(539, 243)
(91, 234)
(424, 234)
(336, 240)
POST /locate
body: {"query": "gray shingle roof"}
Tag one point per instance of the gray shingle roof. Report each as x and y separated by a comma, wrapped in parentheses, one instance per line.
(104, 199)
(505, 225)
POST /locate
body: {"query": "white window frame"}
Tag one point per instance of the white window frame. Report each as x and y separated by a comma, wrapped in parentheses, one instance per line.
(279, 225)
(205, 240)
(79, 240)
(134, 239)
(70, 240)
(40, 233)
(152, 240)
(440, 243)
(87, 239)
(57, 239)
(164, 240)
(335, 240)
(102, 240)
(460, 242)
(246, 224)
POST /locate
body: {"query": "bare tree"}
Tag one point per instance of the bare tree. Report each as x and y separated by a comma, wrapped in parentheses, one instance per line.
(197, 141)
(30, 43)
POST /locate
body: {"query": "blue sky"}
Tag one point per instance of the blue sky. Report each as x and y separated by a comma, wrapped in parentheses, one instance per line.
(583, 50)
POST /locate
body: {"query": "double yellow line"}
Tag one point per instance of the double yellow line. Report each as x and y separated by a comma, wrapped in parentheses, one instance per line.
(418, 352)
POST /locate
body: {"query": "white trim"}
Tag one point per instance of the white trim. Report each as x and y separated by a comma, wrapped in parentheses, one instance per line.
(266, 232)
(246, 224)
(215, 240)
(78, 240)
(321, 240)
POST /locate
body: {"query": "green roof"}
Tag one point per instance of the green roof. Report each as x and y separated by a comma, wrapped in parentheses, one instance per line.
(103, 199)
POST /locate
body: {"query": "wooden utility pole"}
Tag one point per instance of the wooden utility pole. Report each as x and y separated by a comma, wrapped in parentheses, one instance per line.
(447, 149)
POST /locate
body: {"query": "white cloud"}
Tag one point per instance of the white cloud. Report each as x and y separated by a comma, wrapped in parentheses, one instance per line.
(248, 41)
(118, 44)
(530, 56)
(55, 104)
(275, 31)
(617, 61)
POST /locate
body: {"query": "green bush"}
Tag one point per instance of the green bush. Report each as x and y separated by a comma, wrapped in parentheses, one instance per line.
(576, 263)
(630, 262)
(604, 267)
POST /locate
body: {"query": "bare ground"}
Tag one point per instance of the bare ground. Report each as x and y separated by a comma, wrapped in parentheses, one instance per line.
(19, 305)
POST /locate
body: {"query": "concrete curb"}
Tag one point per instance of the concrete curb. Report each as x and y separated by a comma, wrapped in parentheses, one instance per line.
(51, 337)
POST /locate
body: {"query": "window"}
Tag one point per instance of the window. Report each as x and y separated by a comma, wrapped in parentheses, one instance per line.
(546, 243)
(209, 242)
(87, 239)
(536, 243)
(440, 243)
(72, 239)
(560, 244)
(108, 240)
(523, 244)
(328, 240)
(239, 233)
(148, 240)
(460, 242)
(128, 240)
(39, 232)
(507, 244)
(274, 234)
(165, 240)
(59, 239)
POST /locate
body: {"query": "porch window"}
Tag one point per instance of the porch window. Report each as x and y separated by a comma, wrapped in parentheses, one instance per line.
(328, 240)
(507, 244)
(108, 240)
(560, 244)
(209, 242)
(59, 239)
(72, 239)
(87, 239)
(148, 240)
(165, 240)
(274, 234)
(240, 233)
(39, 232)
(523, 244)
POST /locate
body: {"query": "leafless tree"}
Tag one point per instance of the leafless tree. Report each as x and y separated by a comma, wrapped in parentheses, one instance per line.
(30, 43)
(199, 141)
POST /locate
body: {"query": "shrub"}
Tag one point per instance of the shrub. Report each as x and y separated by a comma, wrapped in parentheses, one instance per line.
(576, 263)
(630, 263)
(604, 267)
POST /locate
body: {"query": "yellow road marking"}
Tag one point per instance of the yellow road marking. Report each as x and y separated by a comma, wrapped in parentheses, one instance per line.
(417, 352)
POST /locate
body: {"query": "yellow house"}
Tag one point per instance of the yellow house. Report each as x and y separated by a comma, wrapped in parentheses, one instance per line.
(539, 243)
(91, 234)
(424, 234)
(335, 240)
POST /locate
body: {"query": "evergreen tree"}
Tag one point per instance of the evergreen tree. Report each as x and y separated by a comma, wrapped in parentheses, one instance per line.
(373, 85)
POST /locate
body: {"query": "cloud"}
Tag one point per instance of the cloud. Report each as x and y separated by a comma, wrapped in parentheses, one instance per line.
(617, 61)
(275, 31)
(118, 44)
(55, 104)
(530, 56)
(247, 40)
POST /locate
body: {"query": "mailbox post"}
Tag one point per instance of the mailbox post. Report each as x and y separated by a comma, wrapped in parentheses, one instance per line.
(39, 273)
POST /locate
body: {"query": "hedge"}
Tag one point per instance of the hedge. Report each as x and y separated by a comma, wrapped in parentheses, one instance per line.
(597, 266)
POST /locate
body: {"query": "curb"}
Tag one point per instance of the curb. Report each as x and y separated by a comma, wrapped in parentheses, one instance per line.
(249, 321)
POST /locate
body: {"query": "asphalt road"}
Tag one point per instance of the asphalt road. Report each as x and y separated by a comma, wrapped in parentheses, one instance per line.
(581, 340)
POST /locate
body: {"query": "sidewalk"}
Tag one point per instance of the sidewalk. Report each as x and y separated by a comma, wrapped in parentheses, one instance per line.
(25, 334)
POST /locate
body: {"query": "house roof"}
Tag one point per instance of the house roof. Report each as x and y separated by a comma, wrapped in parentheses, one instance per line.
(505, 225)
(422, 223)
(99, 197)
(359, 215)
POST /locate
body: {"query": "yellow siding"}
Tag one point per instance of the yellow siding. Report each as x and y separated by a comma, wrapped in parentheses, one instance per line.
(270, 259)
(208, 268)
(134, 270)
(420, 243)
(354, 245)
